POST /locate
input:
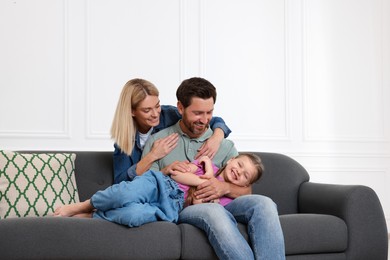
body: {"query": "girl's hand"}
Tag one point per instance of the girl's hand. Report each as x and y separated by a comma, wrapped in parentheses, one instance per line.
(177, 167)
(204, 159)
(207, 167)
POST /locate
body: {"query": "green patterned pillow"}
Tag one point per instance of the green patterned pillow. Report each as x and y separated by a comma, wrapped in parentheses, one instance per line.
(34, 185)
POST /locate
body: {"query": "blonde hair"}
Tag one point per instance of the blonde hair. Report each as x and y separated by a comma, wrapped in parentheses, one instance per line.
(124, 127)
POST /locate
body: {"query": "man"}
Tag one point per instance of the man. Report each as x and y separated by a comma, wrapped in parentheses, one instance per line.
(196, 99)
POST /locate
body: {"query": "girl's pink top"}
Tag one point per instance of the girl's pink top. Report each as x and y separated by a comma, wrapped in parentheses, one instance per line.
(200, 171)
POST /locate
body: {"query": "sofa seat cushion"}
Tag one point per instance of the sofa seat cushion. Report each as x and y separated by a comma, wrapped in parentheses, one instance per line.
(314, 233)
(195, 244)
(86, 238)
(303, 234)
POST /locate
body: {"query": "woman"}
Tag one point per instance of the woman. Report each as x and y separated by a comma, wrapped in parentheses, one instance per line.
(139, 115)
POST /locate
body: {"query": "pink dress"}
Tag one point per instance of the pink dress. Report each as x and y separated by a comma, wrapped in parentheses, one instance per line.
(200, 171)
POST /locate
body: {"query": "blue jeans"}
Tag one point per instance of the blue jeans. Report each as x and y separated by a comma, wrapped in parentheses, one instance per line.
(260, 215)
(148, 198)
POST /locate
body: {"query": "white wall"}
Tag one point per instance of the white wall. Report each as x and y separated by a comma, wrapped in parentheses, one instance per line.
(307, 78)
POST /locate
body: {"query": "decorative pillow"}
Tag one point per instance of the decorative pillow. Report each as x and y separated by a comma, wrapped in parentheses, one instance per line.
(34, 185)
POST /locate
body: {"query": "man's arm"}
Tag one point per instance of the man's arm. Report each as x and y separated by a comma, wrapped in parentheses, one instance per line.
(213, 189)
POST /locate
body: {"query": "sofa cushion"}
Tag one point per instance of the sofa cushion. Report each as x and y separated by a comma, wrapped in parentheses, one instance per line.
(190, 236)
(314, 233)
(280, 181)
(96, 172)
(87, 238)
(303, 234)
(35, 184)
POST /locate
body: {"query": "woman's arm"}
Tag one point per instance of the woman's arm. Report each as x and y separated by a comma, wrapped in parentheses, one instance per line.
(160, 148)
(218, 123)
(121, 162)
(126, 167)
(170, 116)
(211, 146)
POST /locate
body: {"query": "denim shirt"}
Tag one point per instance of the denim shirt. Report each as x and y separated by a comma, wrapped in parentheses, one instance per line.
(125, 165)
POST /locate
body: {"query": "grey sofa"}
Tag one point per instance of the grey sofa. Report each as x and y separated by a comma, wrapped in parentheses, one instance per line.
(319, 221)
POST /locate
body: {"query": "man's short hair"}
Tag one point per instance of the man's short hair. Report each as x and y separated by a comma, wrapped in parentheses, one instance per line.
(195, 87)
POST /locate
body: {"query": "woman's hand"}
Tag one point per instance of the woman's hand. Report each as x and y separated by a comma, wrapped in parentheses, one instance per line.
(164, 146)
(211, 146)
(160, 148)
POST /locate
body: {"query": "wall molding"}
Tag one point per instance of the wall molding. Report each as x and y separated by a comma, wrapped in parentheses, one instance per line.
(307, 136)
(65, 132)
(90, 132)
(286, 72)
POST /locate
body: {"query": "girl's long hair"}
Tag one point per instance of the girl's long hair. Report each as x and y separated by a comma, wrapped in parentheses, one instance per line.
(124, 126)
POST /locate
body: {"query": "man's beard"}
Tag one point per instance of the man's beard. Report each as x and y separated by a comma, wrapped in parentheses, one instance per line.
(194, 130)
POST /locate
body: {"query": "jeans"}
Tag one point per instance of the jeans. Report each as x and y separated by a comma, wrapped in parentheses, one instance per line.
(148, 198)
(260, 215)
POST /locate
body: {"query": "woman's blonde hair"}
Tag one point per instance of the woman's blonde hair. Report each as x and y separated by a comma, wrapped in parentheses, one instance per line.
(124, 126)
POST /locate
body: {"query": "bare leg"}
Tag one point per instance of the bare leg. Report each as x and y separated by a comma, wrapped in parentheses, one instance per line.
(74, 209)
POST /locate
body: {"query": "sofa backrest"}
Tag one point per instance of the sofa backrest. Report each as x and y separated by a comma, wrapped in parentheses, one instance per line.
(280, 181)
(94, 172)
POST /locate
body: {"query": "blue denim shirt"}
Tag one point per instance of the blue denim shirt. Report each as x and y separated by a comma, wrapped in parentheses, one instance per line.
(124, 165)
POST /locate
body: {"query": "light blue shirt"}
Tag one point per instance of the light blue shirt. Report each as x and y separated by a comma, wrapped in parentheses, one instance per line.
(187, 148)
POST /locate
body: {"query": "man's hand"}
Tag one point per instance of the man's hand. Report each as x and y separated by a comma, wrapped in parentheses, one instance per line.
(211, 190)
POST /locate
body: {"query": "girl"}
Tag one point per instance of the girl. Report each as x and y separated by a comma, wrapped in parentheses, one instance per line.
(154, 196)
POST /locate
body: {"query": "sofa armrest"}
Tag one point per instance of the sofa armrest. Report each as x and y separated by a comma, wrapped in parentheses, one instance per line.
(359, 207)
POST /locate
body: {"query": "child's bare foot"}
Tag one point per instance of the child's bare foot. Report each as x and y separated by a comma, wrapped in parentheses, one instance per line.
(66, 210)
(73, 209)
(84, 215)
